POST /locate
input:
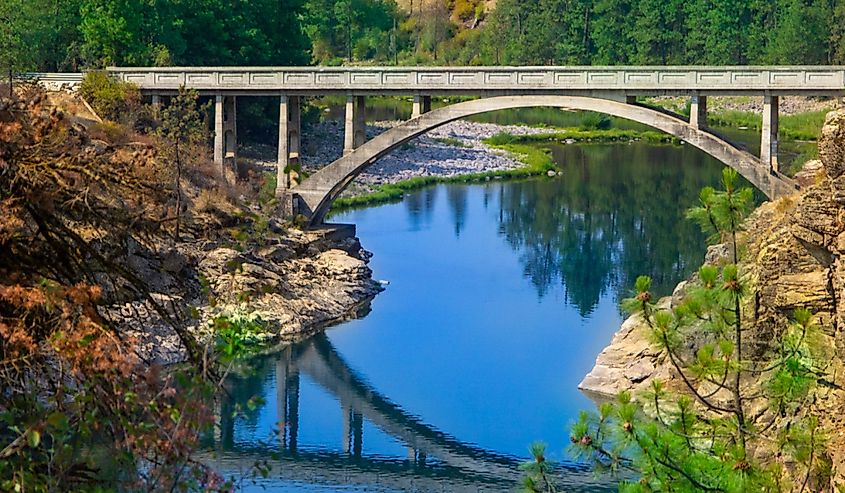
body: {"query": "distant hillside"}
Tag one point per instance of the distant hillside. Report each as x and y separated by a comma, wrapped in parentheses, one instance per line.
(465, 13)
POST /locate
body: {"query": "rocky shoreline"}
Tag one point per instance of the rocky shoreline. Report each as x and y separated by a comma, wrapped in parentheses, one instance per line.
(294, 285)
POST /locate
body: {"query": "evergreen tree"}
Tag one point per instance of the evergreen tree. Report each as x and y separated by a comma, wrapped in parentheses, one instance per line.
(732, 406)
(612, 32)
(801, 34)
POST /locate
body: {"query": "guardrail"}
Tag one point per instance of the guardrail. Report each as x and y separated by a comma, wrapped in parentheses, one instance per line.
(821, 79)
(51, 76)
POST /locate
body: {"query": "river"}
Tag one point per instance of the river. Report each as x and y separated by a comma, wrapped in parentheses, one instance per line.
(501, 295)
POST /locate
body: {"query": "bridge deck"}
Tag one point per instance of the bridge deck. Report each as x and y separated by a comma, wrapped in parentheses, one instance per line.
(484, 81)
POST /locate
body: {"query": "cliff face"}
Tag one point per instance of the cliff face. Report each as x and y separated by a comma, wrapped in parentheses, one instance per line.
(794, 257)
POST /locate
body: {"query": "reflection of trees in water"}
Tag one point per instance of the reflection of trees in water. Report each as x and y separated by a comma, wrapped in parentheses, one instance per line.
(456, 197)
(420, 207)
(616, 213)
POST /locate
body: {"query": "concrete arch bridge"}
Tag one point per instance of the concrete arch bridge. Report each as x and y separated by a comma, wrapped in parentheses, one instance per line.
(609, 90)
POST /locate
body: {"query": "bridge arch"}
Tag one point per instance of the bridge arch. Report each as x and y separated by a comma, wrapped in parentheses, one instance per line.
(323, 187)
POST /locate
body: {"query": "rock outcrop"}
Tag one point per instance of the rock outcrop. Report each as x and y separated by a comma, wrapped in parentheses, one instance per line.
(295, 284)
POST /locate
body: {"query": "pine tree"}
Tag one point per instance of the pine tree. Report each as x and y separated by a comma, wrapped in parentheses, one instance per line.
(705, 438)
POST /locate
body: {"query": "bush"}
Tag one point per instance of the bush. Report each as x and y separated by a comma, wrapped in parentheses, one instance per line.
(595, 121)
(111, 99)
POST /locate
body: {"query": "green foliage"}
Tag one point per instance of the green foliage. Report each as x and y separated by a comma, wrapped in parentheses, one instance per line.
(350, 29)
(801, 126)
(538, 471)
(110, 98)
(562, 135)
(237, 334)
(721, 212)
(595, 121)
(73, 34)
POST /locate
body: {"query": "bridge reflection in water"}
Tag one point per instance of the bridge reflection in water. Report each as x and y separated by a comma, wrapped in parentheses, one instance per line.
(435, 461)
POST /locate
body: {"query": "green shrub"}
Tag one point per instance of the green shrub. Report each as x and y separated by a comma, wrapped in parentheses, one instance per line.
(237, 334)
(595, 121)
(110, 98)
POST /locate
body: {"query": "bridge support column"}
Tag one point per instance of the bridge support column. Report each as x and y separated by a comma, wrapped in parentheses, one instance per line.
(698, 111)
(769, 141)
(156, 103)
(422, 105)
(230, 122)
(218, 130)
(288, 151)
(355, 131)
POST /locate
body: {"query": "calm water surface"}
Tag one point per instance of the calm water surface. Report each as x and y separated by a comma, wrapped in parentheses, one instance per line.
(501, 295)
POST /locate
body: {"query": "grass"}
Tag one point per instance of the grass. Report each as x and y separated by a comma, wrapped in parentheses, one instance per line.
(801, 126)
(537, 162)
(609, 135)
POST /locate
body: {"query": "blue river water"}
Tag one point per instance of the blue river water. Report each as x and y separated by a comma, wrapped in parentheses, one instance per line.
(501, 295)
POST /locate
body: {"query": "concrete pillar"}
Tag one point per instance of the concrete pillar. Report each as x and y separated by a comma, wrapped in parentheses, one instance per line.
(218, 129)
(769, 140)
(630, 100)
(422, 105)
(230, 122)
(355, 129)
(289, 140)
(698, 111)
(156, 105)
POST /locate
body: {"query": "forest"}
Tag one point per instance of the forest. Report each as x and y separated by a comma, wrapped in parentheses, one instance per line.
(71, 35)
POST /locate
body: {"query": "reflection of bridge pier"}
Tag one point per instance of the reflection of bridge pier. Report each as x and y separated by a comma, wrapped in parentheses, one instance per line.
(287, 401)
(353, 431)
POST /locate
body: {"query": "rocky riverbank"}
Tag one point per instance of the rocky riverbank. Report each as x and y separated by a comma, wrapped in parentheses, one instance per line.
(294, 285)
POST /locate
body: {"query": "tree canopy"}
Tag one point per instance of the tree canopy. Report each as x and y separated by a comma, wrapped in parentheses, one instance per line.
(73, 34)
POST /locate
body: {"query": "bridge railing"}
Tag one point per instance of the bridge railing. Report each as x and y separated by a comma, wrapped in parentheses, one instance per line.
(813, 79)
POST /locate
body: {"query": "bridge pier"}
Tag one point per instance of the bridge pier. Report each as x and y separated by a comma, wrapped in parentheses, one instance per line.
(156, 103)
(218, 129)
(225, 129)
(230, 122)
(422, 104)
(769, 141)
(353, 430)
(355, 130)
(289, 147)
(698, 111)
